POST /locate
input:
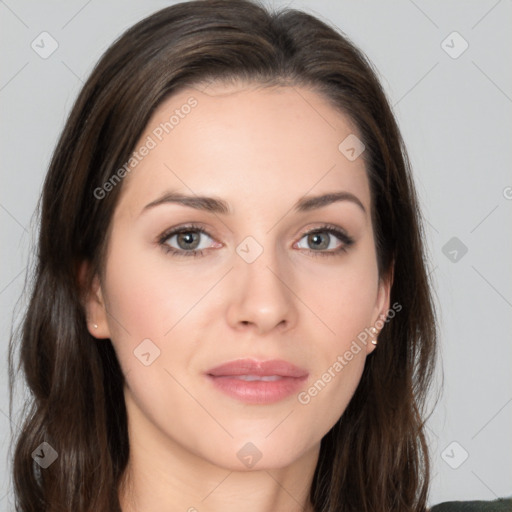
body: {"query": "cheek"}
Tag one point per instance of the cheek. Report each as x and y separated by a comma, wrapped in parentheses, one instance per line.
(342, 296)
(148, 297)
(331, 388)
(339, 356)
(147, 293)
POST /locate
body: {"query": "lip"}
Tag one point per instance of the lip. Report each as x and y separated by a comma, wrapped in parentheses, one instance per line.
(282, 380)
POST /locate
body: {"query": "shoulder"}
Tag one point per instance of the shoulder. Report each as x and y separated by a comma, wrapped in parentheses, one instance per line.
(499, 505)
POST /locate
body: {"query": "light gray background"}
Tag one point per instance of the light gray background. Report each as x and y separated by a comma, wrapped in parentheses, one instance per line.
(455, 115)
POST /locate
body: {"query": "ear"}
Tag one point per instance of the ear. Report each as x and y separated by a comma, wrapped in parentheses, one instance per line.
(93, 302)
(382, 305)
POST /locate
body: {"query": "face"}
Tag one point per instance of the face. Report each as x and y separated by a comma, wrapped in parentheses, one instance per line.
(236, 318)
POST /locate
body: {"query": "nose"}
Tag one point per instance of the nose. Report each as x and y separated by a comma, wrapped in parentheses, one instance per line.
(261, 295)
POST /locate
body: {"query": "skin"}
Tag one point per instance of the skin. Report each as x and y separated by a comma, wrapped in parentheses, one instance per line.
(260, 150)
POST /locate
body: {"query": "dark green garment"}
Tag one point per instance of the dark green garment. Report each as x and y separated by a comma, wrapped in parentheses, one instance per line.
(500, 505)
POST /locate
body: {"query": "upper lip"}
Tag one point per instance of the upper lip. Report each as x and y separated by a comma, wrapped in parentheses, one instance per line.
(258, 368)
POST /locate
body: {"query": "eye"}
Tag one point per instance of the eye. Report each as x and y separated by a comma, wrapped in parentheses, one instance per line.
(185, 241)
(322, 241)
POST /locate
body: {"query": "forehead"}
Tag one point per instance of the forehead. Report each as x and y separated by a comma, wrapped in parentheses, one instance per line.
(249, 144)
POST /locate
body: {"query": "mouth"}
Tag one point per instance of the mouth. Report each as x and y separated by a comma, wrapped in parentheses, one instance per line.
(257, 382)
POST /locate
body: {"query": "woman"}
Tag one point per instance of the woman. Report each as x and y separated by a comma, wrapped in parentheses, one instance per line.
(285, 365)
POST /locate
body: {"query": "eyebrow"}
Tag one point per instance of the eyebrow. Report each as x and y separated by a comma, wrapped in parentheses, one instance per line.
(215, 205)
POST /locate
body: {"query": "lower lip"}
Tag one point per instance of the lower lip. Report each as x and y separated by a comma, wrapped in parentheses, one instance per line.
(258, 391)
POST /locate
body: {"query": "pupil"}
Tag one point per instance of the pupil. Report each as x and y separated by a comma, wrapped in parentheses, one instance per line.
(188, 238)
(315, 238)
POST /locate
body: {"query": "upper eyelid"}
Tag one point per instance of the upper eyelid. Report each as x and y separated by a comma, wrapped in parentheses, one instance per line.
(183, 229)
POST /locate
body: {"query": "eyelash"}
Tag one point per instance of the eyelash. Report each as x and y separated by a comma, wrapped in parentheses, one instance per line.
(326, 228)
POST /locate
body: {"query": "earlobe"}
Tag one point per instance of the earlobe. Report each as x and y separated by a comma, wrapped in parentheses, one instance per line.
(93, 303)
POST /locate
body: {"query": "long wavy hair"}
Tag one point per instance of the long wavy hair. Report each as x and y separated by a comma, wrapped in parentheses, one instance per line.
(375, 458)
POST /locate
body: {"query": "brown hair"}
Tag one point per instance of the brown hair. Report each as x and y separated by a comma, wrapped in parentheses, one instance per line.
(375, 458)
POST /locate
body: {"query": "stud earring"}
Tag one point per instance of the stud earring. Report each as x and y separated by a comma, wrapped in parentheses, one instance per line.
(374, 330)
(95, 326)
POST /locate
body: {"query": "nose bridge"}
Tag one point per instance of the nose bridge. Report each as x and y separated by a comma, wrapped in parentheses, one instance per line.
(261, 296)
